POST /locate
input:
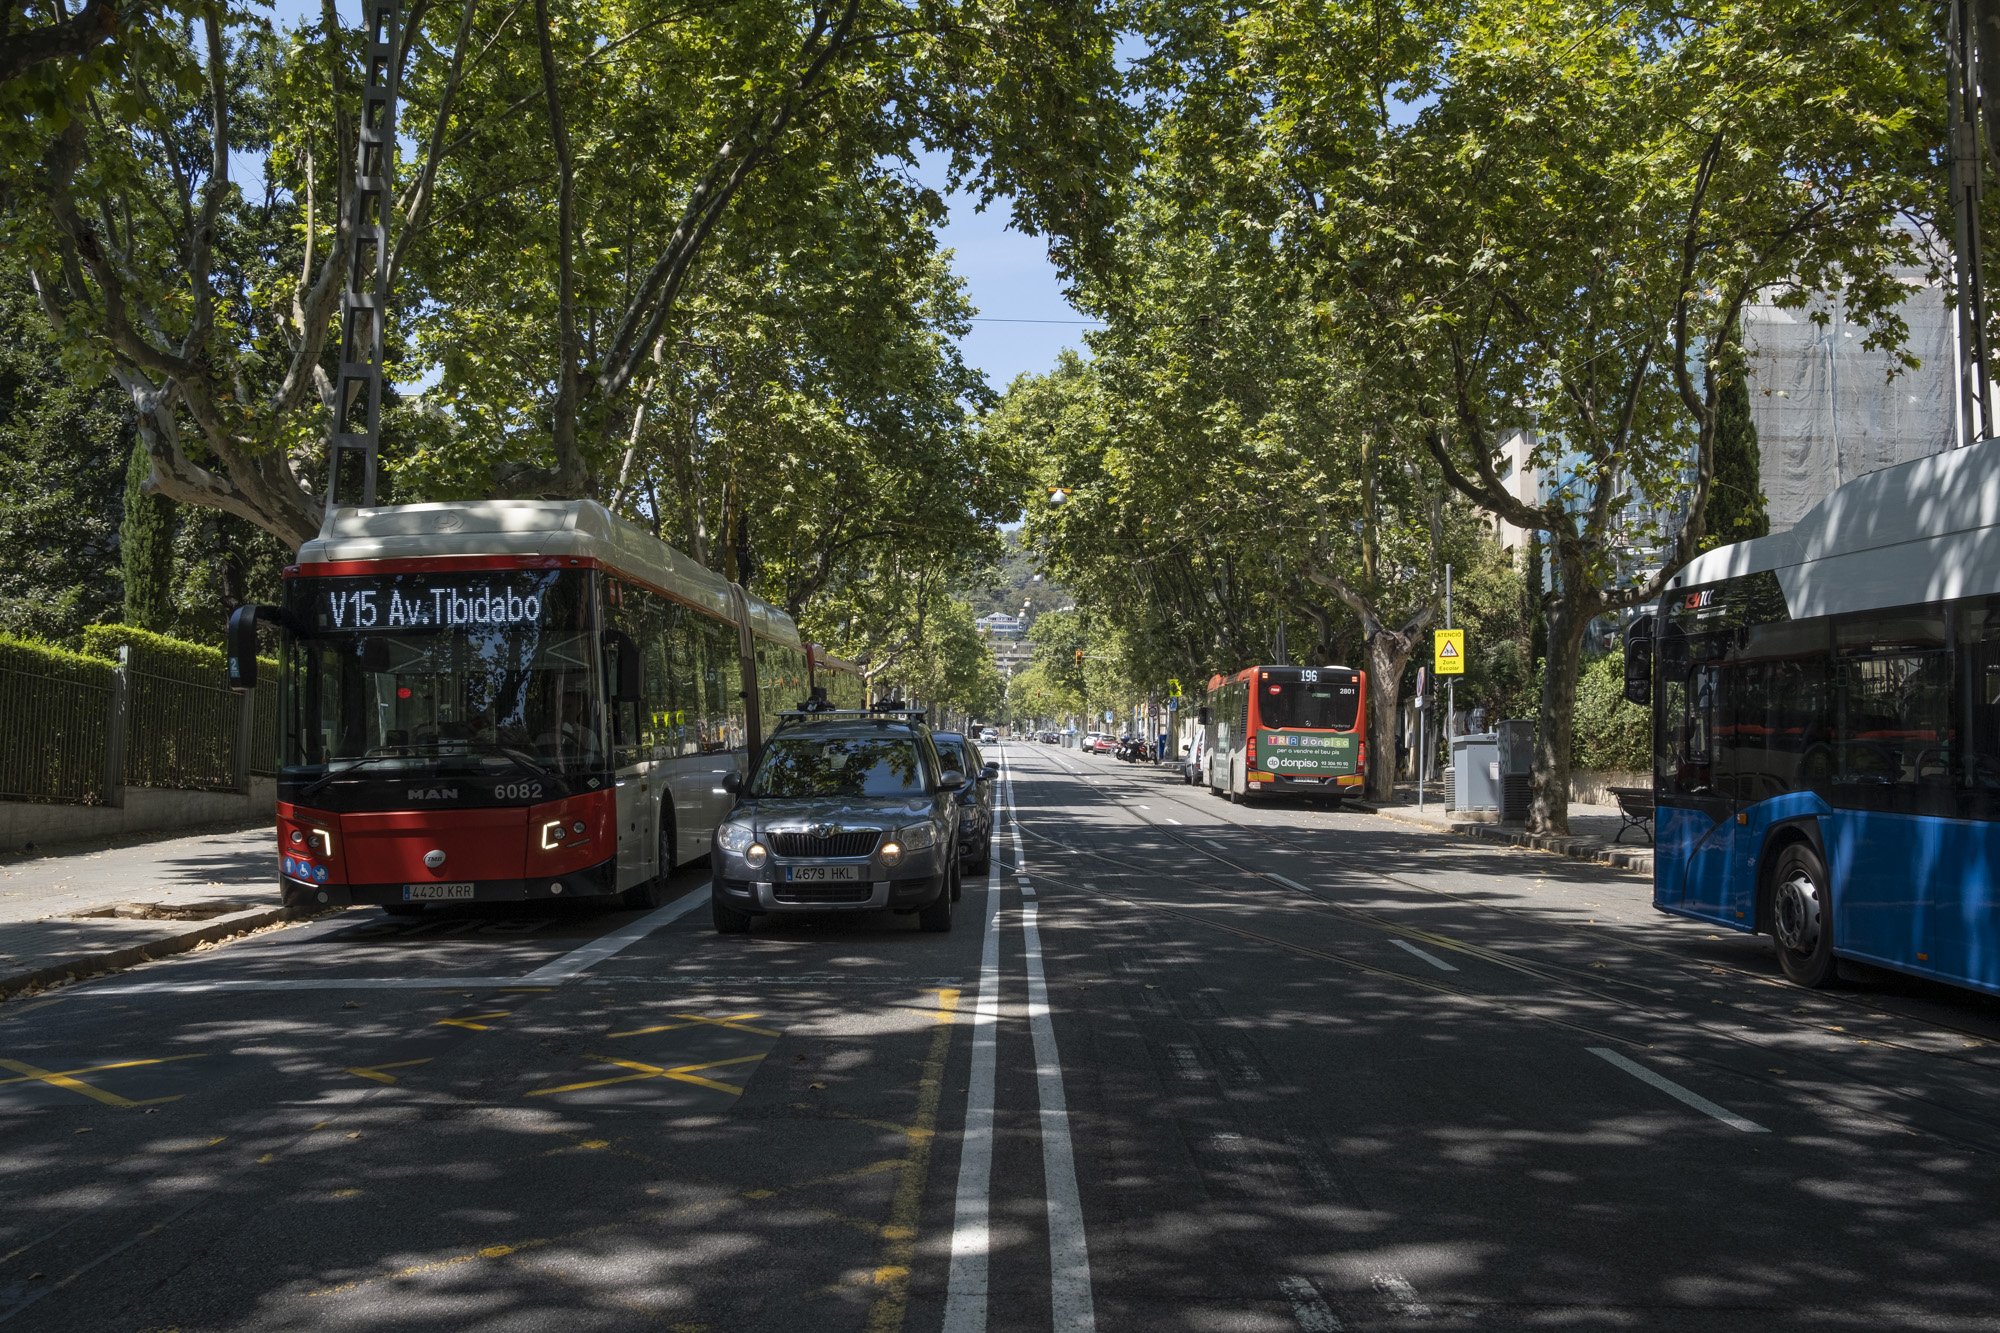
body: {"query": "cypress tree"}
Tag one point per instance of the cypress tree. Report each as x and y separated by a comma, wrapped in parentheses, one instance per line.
(146, 548)
(1736, 509)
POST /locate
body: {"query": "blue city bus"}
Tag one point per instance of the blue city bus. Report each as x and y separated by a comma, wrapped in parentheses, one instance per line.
(1826, 727)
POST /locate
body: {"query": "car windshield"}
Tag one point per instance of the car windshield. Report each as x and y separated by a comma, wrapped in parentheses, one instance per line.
(797, 767)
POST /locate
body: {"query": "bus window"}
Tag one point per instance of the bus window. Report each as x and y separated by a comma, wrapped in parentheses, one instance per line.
(1895, 713)
(1328, 704)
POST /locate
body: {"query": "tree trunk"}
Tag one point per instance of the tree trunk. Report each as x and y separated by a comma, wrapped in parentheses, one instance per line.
(146, 548)
(1548, 810)
(1388, 654)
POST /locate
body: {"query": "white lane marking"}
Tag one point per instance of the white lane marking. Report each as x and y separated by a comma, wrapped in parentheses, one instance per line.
(1069, 1252)
(1676, 1091)
(575, 963)
(1027, 892)
(1401, 1296)
(1213, 843)
(1172, 820)
(1288, 883)
(971, 1234)
(1425, 954)
(1145, 807)
(1309, 1307)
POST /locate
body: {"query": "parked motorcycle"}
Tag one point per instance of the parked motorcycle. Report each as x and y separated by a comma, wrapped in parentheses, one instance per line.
(1133, 749)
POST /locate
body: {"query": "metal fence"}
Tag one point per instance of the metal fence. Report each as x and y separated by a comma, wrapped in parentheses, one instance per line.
(181, 733)
(55, 735)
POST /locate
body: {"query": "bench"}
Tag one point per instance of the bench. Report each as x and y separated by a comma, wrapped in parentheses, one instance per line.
(1635, 807)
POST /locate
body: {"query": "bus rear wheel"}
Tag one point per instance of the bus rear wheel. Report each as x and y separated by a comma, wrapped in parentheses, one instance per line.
(653, 892)
(1801, 916)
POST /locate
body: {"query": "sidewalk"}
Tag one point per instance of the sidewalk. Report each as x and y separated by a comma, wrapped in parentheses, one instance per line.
(82, 910)
(1593, 834)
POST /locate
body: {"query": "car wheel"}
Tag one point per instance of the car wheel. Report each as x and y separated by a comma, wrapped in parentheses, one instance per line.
(936, 918)
(1801, 916)
(985, 861)
(728, 920)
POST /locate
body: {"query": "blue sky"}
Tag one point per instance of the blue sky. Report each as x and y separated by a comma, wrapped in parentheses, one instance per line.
(1023, 320)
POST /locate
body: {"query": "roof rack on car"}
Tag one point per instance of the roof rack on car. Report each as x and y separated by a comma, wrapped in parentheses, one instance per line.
(811, 711)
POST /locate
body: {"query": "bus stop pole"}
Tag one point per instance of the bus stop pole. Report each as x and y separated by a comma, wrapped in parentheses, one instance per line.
(1423, 740)
(1450, 685)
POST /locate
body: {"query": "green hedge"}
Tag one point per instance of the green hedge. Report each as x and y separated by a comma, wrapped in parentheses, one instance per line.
(56, 717)
(1609, 732)
(157, 653)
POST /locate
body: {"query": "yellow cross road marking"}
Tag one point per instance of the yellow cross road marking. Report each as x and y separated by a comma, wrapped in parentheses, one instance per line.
(471, 1022)
(682, 1073)
(732, 1021)
(68, 1079)
(375, 1071)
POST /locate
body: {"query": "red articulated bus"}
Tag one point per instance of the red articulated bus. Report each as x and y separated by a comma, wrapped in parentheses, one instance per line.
(511, 700)
(1287, 731)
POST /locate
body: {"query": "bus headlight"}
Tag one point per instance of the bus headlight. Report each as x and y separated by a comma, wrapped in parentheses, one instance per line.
(552, 835)
(324, 840)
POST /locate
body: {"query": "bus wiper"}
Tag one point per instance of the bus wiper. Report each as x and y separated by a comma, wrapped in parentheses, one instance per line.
(521, 757)
(402, 752)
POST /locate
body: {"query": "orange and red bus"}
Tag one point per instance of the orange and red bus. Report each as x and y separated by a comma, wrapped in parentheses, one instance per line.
(513, 699)
(1287, 731)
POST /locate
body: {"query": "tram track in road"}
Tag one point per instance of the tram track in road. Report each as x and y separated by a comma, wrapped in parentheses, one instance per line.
(1983, 1041)
(1754, 1035)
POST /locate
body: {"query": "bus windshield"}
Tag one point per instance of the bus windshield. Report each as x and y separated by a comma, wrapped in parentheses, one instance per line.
(1328, 703)
(401, 673)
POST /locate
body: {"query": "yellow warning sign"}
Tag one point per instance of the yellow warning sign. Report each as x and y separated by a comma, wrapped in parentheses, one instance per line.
(1448, 652)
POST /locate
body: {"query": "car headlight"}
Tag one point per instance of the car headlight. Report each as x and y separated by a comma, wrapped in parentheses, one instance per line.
(891, 853)
(734, 838)
(917, 837)
(756, 854)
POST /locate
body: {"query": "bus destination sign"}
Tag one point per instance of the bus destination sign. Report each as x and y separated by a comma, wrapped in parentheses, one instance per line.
(1314, 754)
(436, 606)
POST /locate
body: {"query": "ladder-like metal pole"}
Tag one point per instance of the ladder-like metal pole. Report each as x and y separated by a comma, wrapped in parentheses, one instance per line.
(364, 306)
(1975, 419)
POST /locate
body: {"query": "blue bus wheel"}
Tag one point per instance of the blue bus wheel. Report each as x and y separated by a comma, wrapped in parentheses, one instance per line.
(1801, 916)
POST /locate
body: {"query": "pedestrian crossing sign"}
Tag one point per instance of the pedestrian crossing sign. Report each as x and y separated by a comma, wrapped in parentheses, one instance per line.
(1448, 652)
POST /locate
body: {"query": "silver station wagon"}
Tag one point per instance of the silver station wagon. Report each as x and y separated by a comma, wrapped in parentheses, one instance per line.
(845, 812)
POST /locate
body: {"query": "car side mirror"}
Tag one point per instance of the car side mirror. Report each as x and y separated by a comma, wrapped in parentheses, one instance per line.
(732, 783)
(951, 780)
(992, 770)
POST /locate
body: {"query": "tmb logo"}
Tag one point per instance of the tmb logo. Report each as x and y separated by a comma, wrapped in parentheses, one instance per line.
(433, 794)
(1699, 601)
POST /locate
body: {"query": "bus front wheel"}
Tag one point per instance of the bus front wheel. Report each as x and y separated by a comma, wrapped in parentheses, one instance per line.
(1802, 916)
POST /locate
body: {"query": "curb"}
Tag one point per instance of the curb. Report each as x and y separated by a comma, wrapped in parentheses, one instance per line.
(113, 960)
(1560, 844)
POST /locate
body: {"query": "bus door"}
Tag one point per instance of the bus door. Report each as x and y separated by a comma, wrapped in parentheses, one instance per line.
(1696, 821)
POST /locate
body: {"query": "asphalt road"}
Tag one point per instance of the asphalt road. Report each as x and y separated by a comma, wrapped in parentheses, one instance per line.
(1180, 1065)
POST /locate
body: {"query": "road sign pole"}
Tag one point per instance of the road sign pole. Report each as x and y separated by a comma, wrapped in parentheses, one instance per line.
(1423, 740)
(1451, 685)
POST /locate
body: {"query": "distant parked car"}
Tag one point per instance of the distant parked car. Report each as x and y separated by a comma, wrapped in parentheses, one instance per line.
(975, 798)
(988, 736)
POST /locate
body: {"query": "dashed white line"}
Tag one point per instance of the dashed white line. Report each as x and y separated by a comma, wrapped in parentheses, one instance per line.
(971, 1230)
(575, 963)
(1425, 954)
(1676, 1091)
(1309, 1307)
(1400, 1295)
(1069, 1252)
(1288, 883)
(1172, 820)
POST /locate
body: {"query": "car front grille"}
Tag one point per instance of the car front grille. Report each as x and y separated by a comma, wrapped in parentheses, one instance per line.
(807, 894)
(839, 844)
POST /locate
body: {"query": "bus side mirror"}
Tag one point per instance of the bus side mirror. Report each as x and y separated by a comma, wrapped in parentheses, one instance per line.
(1201, 717)
(625, 680)
(1639, 662)
(241, 644)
